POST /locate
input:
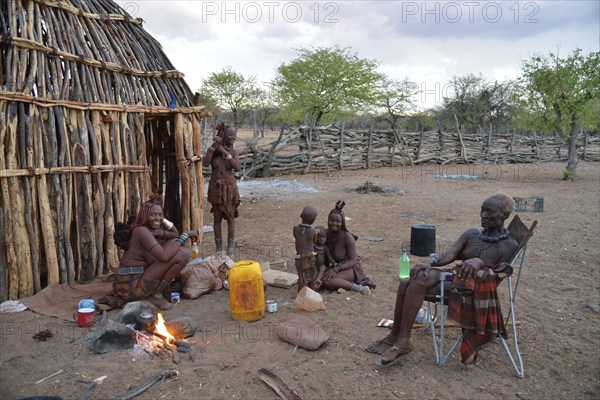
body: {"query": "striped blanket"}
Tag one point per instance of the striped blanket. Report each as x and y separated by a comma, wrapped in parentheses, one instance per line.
(478, 314)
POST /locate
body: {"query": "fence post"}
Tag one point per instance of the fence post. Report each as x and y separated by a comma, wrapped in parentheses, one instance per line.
(420, 143)
(489, 141)
(394, 144)
(342, 146)
(309, 143)
(512, 142)
(585, 139)
(369, 145)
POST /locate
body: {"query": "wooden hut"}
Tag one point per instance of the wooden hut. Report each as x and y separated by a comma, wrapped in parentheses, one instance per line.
(93, 118)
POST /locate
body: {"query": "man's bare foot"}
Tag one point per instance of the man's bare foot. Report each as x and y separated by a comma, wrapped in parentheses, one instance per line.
(393, 353)
(161, 303)
(471, 362)
(381, 345)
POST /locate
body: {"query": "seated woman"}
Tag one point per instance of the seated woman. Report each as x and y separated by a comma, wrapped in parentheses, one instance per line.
(481, 251)
(347, 272)
(148, 267)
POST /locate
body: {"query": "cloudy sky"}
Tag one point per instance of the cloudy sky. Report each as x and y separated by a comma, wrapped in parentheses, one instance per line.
(425, 41)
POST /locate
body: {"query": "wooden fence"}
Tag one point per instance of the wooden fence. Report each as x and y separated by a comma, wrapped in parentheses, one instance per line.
(334, 148)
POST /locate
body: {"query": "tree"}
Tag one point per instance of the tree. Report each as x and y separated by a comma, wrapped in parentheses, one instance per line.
(326, 81)
(474, 102)
(396, 98)
(265, 109)
(422, 120)
(233, 91)
(208, 102)
(561, 96)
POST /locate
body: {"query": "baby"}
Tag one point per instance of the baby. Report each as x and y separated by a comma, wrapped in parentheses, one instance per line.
(323, 258)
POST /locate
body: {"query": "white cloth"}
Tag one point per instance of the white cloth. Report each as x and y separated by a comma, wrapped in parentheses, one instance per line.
(12, 306)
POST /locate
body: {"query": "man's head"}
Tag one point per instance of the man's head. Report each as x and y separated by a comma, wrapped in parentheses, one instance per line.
(495, 210)
(309, 214)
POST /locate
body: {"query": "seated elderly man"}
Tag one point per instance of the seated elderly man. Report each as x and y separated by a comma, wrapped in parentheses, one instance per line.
(481, 252)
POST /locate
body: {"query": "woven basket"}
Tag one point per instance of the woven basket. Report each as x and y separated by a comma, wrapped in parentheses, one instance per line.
(309, 300)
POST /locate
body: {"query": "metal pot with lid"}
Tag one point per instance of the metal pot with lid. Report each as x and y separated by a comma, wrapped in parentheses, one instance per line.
(146, 321)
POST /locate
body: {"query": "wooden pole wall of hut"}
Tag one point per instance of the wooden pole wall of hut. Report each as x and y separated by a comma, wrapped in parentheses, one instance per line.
(3, 261)
(43, 202)
(9, 273)
(198, 201)
(73, 154)
(111, 252)
(26, 149)
(183, 171)
(98, 195)
(22, 275)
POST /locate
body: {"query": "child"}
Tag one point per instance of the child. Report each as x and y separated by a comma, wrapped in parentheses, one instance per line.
(322, 255)
(304, 236)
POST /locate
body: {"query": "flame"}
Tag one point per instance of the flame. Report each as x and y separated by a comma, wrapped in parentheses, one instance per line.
(162, 329)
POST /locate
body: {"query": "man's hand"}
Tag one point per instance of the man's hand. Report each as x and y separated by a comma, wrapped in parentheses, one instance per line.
(424, 266)
(468, 268)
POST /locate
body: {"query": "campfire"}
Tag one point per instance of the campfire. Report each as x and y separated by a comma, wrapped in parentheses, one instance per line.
(160, 342)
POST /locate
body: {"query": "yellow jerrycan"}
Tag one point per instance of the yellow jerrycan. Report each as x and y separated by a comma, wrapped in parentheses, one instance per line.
(246, 291)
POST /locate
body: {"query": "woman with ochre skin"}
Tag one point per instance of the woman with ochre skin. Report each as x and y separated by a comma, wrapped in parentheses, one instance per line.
(223, 192)
(347, 272)
(148, 267)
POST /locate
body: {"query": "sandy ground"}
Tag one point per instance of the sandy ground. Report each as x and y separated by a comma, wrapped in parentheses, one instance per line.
(559, 335)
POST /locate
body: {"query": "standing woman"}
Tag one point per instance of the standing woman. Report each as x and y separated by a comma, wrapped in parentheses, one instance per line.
(223, 192)
(347, 272)
(152, 257)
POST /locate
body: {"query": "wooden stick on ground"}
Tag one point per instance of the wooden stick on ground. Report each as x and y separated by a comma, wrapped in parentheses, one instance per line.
(48, 377)
(277, 385)
(151, 382)
(88, 392)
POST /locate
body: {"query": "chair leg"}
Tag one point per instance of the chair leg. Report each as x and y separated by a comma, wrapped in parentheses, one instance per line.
(431, 327)
(519, 369)
(438, 343)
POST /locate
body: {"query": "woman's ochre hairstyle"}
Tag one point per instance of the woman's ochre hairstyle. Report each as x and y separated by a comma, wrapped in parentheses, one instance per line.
(144, 213)
(123, 230)
(338, 210)
(123, 233)
(221, 128)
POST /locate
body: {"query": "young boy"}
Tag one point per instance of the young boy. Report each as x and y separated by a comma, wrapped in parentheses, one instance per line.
(304, 235)
(322, 256)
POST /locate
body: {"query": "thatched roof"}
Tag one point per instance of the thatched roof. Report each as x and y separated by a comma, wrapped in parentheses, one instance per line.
(89, 53)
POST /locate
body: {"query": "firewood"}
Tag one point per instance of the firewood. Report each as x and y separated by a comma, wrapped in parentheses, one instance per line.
(277, 385)
(151, 382)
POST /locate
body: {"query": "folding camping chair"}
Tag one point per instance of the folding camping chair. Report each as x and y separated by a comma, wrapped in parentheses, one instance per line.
(521, 234)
